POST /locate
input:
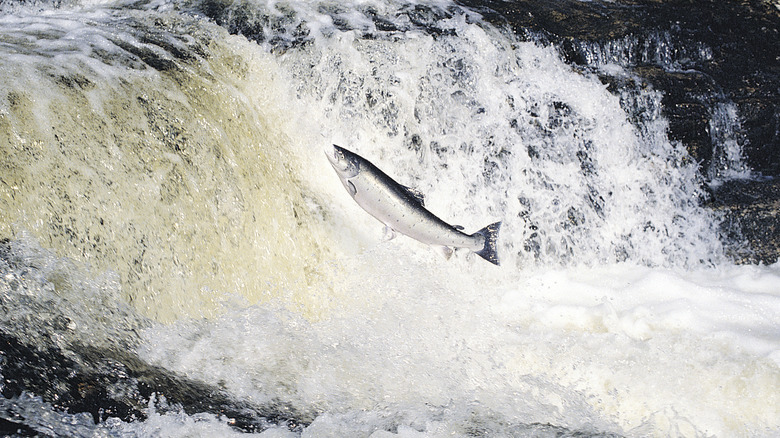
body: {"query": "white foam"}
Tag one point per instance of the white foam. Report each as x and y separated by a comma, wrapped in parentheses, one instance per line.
(489, 128)
(412, 343)
(595, 343)
(368, 337)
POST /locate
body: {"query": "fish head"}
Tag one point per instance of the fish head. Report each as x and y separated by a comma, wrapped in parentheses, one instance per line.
(346, 164)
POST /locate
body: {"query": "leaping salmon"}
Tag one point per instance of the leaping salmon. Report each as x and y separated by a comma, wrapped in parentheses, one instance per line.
(401, 209)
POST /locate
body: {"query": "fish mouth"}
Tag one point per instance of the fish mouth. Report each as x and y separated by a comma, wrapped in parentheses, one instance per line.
(338, 160)
(333, 155)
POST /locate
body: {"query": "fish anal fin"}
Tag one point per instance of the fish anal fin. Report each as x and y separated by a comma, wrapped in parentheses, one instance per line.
(446, 251)
(389, 234)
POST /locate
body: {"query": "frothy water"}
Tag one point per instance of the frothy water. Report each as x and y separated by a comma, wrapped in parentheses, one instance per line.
(160, 158)
(165, 192)
(728, 138)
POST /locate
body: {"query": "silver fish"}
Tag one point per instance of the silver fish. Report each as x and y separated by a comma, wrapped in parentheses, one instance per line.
(401, 208)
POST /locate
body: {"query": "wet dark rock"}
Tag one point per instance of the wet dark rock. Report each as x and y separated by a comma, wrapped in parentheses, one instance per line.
(751, 223)
(695, 51)
(108, 381)
(10, 428)
(117, 384)
(687, 103)
(700, 54)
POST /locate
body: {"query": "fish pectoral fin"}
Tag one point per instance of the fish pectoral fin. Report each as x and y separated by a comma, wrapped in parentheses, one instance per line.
(350, 188)
(446, 251)
(389, 234)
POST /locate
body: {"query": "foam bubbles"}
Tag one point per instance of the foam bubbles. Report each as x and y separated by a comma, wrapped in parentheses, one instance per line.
(579, 349)
(491, 128)
(188, 164)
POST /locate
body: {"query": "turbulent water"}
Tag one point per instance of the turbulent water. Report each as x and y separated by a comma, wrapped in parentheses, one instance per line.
(164, 196)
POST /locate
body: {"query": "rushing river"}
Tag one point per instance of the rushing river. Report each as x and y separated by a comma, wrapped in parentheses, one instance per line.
(164, 196)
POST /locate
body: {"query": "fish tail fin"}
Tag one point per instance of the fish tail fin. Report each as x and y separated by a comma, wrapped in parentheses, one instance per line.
(490, 233)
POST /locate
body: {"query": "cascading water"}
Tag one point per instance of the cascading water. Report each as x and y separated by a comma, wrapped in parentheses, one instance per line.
(170, 216)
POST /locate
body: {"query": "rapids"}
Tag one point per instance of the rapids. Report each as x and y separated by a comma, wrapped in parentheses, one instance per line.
(167, 210)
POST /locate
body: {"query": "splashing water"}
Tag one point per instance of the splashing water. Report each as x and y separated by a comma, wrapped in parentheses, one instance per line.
(175, 175)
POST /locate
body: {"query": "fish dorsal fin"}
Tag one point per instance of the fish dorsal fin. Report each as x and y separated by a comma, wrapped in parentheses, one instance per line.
(416, 194)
